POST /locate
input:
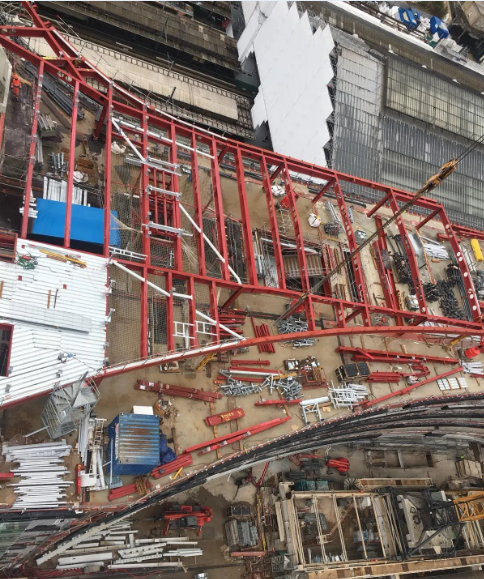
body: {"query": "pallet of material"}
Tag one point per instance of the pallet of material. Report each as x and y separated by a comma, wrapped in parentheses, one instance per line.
(173, 466)
(260, 332)
(181, 391)
(375, 483)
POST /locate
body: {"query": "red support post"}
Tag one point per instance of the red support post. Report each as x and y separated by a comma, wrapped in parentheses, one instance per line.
(380, 204)
(464, 269)
(246, 228)
(219, 211)
(33, 143)
(176, 209)
(222, 153)
(214, 308)
(197, 201)
(145, 241)
(276, 241)
(107, 172)
(417, 282)
(429, 217)
(72, 162)
(170, 317)
(318, 196)
(357, 267)
(192, 314)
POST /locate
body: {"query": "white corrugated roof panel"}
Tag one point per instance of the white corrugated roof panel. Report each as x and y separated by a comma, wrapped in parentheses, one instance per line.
(55, 292)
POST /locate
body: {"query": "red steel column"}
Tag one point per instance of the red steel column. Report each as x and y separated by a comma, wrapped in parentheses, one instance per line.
(176, 210)
(197, 200)
(107, 173)
(33, 142)
(417, 282)
(464, 269)
(357, 267)
(72, 161)
(214, 308)
(192, 314)
(276, 241)
(219, 211)
(246, 228)
(170, 326)
(145, 240)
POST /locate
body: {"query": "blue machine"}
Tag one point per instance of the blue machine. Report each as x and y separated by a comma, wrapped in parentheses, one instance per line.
(134, 440)
(438, 27)
(87, 223)
(410, 17)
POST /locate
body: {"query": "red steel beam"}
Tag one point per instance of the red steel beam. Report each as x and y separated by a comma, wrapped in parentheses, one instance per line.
(33, 143)
(401, 357)
(170, 317)
(235, 294)
(107, 172)
(246, 228)
(72, 161)
(197, 201)
(176, 209)
(429, 217)
(464, 269)
(219, 211)
(102, 117)
(328, 186)
(276, 241)
(367, 403)
(192, 314)
(412, 261)
(383, 201)
(214, 308)
(357, 267)
(390, 297)
(400, 331)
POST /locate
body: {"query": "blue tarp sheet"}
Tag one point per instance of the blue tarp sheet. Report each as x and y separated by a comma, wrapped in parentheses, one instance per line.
(87, 223)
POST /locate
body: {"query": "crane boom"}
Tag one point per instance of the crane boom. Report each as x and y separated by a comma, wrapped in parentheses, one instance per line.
(434, 181)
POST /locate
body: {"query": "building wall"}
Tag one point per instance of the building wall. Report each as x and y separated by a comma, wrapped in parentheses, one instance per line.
(294, 68)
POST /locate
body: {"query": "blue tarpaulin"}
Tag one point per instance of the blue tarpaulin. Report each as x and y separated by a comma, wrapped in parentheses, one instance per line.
(87, 223)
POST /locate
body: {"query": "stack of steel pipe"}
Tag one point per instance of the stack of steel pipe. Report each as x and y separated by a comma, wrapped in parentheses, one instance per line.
(233, 320)
(174, 466)
(41, 468)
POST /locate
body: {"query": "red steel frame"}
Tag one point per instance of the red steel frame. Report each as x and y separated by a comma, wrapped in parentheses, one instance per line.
(76, 70)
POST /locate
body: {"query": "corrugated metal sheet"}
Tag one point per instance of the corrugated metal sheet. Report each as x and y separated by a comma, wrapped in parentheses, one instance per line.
(53, 286)
(136, 443)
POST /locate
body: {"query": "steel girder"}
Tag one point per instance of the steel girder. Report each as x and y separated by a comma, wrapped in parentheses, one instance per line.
(74, 69)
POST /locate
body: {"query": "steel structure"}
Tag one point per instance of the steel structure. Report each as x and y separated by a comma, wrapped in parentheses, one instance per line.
(127, 119)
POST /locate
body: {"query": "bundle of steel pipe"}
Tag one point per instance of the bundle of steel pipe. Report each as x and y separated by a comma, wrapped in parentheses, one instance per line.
(251, 363)
(181, 391)
(41, 468)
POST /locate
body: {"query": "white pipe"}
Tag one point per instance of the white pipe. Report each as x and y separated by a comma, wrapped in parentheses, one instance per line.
(228, 330)
(217, 253)
(130, 144)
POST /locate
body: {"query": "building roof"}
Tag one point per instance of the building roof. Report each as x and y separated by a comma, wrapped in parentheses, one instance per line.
(56, 308)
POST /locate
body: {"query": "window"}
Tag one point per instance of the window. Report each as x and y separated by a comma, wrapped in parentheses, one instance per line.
(6, 333)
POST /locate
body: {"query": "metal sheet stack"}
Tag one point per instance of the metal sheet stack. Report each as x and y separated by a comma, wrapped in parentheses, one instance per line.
(41, 468)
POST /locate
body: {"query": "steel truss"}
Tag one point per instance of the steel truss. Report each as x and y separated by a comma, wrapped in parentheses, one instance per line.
(127, 117)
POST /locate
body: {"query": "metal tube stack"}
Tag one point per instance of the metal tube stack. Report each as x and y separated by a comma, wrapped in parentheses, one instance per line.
(41, 468)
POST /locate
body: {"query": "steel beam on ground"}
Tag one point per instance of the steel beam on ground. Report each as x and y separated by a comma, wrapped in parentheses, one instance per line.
(219, 211)
(107, 173)
(356, 260)
(71, 168)
(197, 201)
(33, 143)
(276, 245)
(246, 228)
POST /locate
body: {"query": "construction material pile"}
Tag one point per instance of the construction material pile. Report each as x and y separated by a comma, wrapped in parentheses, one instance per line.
(348, 395)
(443, 292)
(241, 534)
(117, 548)
(292, 326)
(41, 468)
(287, 385)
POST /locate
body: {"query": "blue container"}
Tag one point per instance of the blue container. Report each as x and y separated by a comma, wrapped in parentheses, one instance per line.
(135, 442)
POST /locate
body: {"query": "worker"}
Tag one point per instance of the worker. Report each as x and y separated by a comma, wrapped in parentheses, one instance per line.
(15, 86)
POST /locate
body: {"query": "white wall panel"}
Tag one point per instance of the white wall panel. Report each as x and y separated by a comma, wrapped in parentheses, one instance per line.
(294, 70)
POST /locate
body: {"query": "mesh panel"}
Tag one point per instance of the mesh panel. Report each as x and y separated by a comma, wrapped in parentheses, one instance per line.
(124, 329)
(157, 317)
(202, 302)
